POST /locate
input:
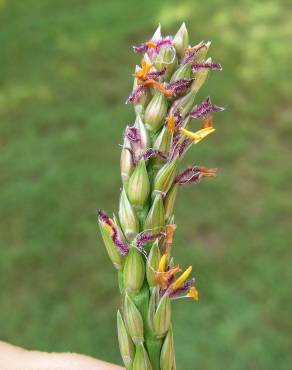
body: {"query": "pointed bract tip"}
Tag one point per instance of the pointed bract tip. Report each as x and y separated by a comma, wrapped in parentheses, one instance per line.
(157, 33)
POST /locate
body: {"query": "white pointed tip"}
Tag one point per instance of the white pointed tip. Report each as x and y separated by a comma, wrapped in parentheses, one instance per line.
(147, 59)
(183, 26)
(157, 33)
(181, 31)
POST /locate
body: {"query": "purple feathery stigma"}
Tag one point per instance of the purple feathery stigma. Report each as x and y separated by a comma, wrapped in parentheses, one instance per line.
(167, 41)
(177, 118)
(180, 86)
(156, 74)
(135, 95)
(202, 109)
(179, 148)
(189, 175)
(133, 157)
(177, 134)
(103, 217)
(211, 66)
(205, 108)
(182, 289)
(150, 153)
(144, 238)
(153, 51)
(132, 134)
(183, 147)
(192, 53)
(119, 243)
(140, 49)
(157, 45)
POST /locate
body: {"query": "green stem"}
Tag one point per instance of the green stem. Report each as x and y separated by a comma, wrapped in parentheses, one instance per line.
(154, 348)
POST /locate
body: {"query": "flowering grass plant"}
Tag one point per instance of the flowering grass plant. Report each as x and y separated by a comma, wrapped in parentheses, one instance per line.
(139, 239)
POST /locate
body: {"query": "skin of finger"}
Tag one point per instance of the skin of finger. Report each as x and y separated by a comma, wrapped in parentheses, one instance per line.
(16, 358)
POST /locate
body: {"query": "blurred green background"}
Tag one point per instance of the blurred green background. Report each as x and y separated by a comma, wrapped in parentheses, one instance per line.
(65, 72)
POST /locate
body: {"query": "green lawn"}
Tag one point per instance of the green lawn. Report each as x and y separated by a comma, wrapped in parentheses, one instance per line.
(65, 72)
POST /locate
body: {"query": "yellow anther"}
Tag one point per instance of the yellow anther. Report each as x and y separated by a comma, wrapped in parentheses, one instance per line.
(170, 121)
(193, 293)
(170, 229)
(208, 172)
(151, 44)
(208, 122)
(158, 86)
(194, 48)
(108, 228)
(182, 278)
(163, 278)
(144, 70)
(198, 135)
(162, 263)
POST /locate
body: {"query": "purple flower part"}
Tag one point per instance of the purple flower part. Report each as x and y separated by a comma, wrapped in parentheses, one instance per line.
(177, 135)
(123, 248)
(180, 148)
(150, 153)
(156, 74)
(167, 41)
(162, 292)
(182, 289)
(135, 95)
(132, 134)
(180, 86)
(189, 175)
(143, 48)
(120, 244)
(144, 238)
(103, 217)
(140, 49)
(183, 147)
(133, 157)
(178, 119)
(168, 289)
(189, 56)
(173, 150)
(216, 108)
(211, 66)
(205, 108)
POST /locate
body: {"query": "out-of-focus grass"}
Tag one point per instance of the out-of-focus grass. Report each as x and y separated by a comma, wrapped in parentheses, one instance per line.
(65, 71)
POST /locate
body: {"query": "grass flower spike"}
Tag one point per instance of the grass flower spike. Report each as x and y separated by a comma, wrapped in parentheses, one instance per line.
(139, 242)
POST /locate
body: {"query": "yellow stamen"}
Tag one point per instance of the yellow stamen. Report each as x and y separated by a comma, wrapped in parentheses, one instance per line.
(163, 278)
(208, 122)
(151, 44)
(182, 278)
(162, 263)
(108, 228)
(145, 68)
(170, 123)
(170, 229)
(158, 86)
(194, 48)
(193, 293)
(198, 135)
(208, 172)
